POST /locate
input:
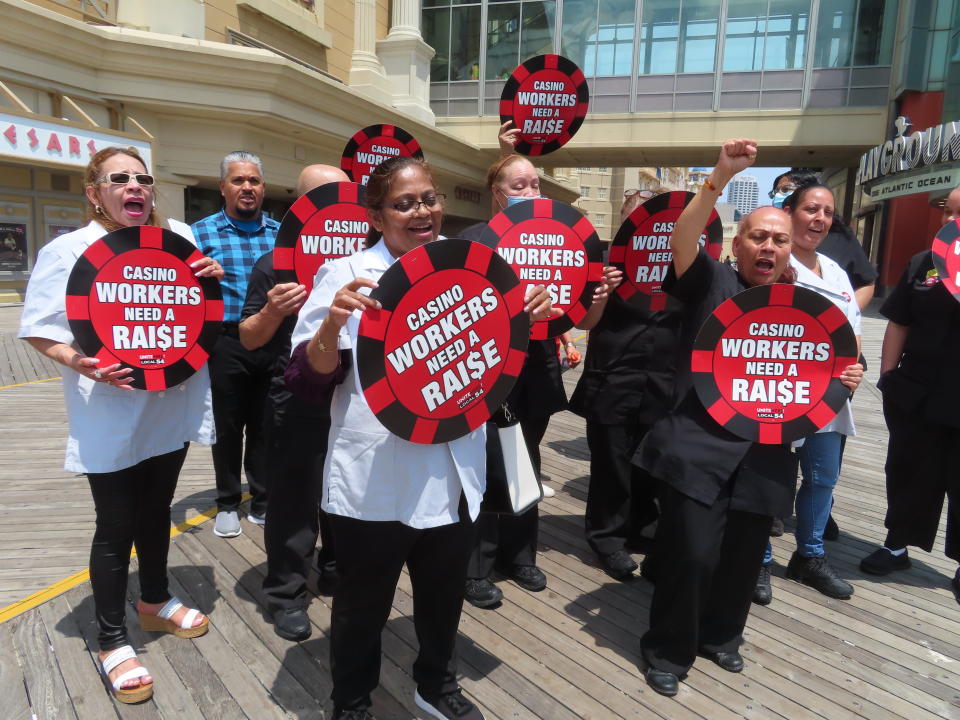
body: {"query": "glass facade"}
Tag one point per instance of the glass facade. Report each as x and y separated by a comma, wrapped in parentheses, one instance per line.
(668, 55)
(951, 101)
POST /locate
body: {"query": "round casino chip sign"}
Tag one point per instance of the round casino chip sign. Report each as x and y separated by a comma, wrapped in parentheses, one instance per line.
(641, 248)
(547, 99)
(374, 144)
(446, 347)
(946, 256)
(550, 243)
(766, 364)
(327, 223)
(132, 298)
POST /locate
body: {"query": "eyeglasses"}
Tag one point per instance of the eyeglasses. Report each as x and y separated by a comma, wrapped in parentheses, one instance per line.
(644, 194)
(407, 207)
(122, 178)
(787, 189)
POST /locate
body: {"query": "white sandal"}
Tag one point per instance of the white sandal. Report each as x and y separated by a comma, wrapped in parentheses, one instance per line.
(163, 622)
(125, 695)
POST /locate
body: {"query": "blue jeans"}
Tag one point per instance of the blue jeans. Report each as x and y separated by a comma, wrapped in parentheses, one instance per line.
(820, 466)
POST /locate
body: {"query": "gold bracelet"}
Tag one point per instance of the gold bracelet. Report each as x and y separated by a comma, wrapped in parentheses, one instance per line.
(709, 185)
(323, 348)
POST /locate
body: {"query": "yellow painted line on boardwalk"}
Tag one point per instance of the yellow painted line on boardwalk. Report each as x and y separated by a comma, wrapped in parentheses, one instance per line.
(31, 382)
(68, 583)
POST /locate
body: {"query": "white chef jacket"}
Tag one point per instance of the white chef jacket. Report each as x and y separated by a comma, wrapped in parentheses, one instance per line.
(835, 286)
(110, 429)
(370, 473)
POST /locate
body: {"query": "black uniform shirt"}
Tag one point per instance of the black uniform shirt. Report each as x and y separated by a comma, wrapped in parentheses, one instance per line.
(842, 246)
(262, 279)
(688, 449)
(928, 379)
(629, 370)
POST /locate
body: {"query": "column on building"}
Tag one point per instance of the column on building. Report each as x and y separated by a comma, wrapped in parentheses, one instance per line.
(406, 61)
(366, 73)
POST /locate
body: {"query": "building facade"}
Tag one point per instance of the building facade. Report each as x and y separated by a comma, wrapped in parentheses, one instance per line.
(743, 193)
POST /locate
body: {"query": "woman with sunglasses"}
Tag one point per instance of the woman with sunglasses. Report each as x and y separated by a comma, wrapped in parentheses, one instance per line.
(130, 443)
(390, 502)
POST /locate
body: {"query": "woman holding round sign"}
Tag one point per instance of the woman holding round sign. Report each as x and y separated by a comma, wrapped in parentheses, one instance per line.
(719, 490)
(811, 210)
(131, 443)
(921, 387)
(407, 494)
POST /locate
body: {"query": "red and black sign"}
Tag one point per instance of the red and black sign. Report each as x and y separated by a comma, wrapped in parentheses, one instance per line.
(550, 243)
(132, 298)
(327, 223)
(446, 348)
(374, 144)
(767, 363)
(546, 98)
(946, 256)
(641, 248)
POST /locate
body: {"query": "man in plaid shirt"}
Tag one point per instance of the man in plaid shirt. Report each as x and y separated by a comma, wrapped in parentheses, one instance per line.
(236, 237)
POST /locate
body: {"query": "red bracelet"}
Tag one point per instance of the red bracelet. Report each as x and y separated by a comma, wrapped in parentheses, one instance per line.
(709, 185)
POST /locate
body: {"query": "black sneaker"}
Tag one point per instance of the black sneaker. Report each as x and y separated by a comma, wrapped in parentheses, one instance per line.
(292, 624)
(883, 562)
(356, 714)
(763, 592)
(452, 706)
(481, 593)
(818, 574)
(832, 530)
(529, 577)
(776, 527)
(618, 565)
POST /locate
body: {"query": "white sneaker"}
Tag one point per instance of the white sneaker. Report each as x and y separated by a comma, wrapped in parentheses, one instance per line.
(227, 524)
(257, 519)
(548, 491)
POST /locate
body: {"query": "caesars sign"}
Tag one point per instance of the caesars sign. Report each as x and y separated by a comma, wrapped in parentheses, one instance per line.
(767, 362)
(132, 298)
(327, 223)
(446, 346)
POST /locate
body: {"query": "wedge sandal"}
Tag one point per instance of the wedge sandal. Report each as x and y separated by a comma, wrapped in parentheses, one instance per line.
(122, 694)
(162, 622)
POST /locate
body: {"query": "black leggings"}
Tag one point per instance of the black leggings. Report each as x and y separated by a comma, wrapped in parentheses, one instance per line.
(133, 508)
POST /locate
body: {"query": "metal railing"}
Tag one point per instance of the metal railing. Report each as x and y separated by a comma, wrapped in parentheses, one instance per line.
(103, 12)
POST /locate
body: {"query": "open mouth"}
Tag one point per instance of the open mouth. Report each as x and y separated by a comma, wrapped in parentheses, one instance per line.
(134, 206)
(421, 230)
(764, 265)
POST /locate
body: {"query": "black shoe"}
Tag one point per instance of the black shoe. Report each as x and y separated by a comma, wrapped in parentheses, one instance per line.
(481, 593)
(618, 565)
(357, 714)
(832, 530)
(452, 706)
(529, 577)
(883, 562)
(665, 683)
(729, 661)
(955, 586)
(763, 592)
(818, 574)
(292, 624)
(776, 527)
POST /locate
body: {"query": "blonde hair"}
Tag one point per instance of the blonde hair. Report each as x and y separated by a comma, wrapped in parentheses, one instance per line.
(495, 174)
(93, 173)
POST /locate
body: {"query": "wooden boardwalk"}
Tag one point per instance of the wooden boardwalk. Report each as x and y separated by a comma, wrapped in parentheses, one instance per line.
(892, 651)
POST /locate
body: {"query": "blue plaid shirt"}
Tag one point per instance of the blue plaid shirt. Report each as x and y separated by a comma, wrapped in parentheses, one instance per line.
(237, 251)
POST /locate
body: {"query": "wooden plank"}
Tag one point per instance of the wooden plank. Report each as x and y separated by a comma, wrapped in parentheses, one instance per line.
(41, 673)
(12, 691)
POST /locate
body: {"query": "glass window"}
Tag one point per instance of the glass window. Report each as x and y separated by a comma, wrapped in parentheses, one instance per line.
(867, 41)
(465, 50)
(698, 33)
(659, 31)
(613, 39)
(601, 193)
(746, 25)
(834, 33)
(585, 191)
(601, 219)
(536, 34)
(436, 33)
(578, 33)
(786, 43)
(503, 39)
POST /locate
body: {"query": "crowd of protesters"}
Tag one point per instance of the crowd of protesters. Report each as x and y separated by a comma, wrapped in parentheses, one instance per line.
(279, 402)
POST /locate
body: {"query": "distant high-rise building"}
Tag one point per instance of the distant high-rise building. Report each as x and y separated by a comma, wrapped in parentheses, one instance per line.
(744, 193)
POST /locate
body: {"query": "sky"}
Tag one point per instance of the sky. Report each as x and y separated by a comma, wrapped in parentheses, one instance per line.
(764, 176)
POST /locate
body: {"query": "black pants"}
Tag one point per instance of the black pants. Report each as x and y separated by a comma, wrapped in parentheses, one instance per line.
(370, 556)
(620, 499)
(921, 470)
(510, 539)
(296, 447)
(133, 508)
(239, 380)
(708, 561)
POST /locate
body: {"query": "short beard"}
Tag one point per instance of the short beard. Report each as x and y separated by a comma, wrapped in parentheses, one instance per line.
(244, 214)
